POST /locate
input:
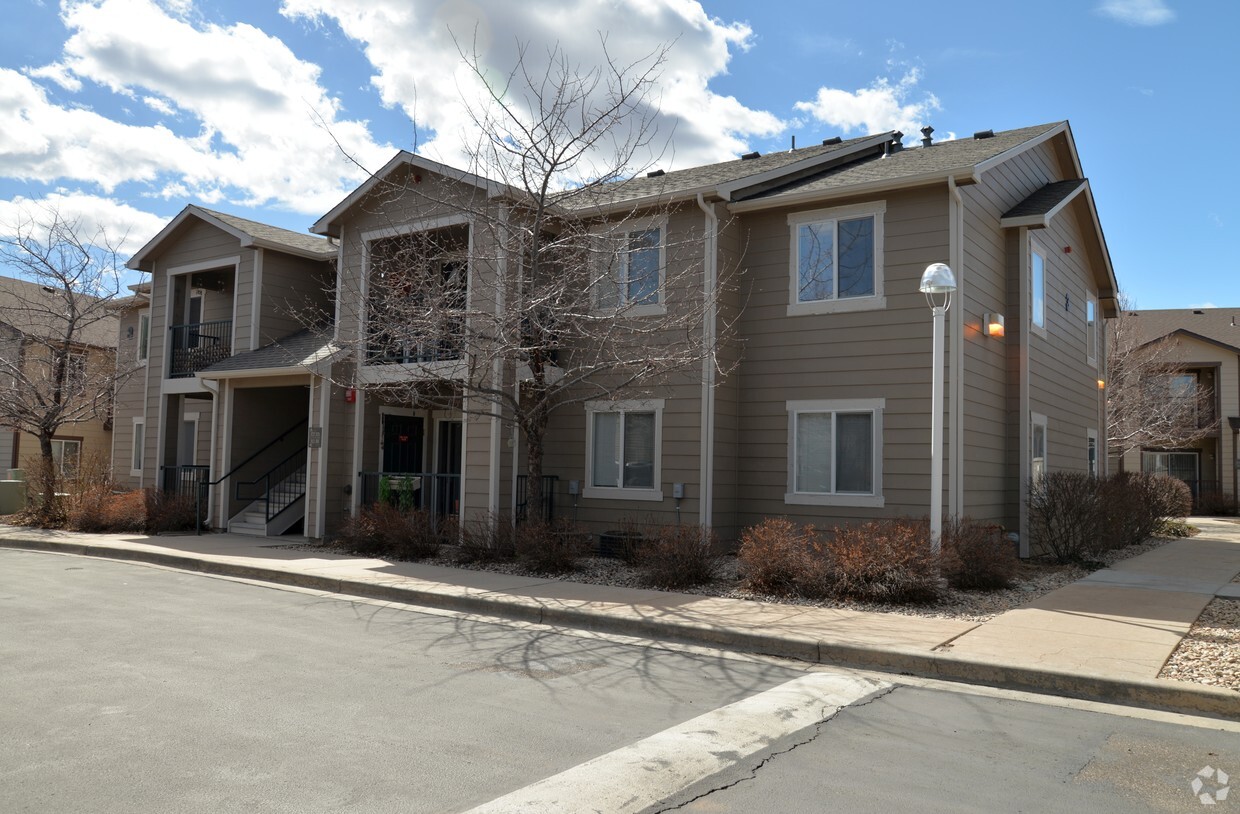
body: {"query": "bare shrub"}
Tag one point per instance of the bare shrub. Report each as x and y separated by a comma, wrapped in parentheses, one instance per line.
(884, 560)
(551, 547)
(125, 512)
(1066, 515)
(170, 511)
(1125, 519)
(1168, 497)
(774, 555)
(382, 530)
(678, 557)
(1216, 504)
(976, 556)
(88, 493)
(491, 539)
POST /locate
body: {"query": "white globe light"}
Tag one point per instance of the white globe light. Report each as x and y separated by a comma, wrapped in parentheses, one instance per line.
(937, 279)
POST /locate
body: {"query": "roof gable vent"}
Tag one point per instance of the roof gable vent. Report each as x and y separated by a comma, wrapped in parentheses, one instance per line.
(827, 142)
(1198, 311)
(981, 134)
(655, 173)
(754, 154)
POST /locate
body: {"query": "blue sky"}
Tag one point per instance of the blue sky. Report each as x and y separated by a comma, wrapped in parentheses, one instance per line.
(123, 111)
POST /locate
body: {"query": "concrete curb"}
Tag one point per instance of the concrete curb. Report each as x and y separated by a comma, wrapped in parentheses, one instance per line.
(1173, 696)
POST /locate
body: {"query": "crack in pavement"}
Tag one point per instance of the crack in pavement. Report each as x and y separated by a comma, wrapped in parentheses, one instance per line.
(753, 772)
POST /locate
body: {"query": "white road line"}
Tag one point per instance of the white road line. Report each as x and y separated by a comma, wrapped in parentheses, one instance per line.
(636, 777)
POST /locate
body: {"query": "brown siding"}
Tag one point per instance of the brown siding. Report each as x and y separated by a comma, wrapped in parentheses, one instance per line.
(294, 292)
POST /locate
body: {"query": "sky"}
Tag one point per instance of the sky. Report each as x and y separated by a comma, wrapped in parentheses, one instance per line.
(121, 112)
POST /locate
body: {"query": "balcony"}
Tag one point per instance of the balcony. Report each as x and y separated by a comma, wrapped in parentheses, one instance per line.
(197, 346)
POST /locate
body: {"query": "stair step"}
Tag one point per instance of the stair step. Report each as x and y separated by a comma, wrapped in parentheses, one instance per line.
(241, 527)
(257, 518)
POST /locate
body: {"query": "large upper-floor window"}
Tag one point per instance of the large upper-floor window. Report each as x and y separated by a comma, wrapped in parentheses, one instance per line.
(835, 452)
(634, 255)
(623, 449)
(837, 262)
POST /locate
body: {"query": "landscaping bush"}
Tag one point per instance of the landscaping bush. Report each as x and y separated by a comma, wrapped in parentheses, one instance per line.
(1175, 528)
(1216, 504)
(774, 556)
(678, 557)
(884, 560)
(1125, 517)
(550, 547)
(1066, 515)
(382, 530)
(169, 511)
(976, 556)
(87, 495)
(1168, 497)
(125, 512)
(491, 539)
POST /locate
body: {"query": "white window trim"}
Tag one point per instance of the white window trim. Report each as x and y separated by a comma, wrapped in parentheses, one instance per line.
(873, 406)
(139, 432)
(1036, 248)
(1091, 332)
(619, 492)
(62, 442)
(1092, 435)
(875, 301)
(628, 227)
(1039, 420)
(144, 349)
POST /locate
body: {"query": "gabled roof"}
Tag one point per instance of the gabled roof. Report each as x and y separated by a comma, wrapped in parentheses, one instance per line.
(1217, 326)
(1038, 209)
(250, 234)
(290, 354)
(30, 309)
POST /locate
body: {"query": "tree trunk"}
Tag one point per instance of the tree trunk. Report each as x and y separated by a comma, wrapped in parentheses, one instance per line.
(535, 436)
(46, 479)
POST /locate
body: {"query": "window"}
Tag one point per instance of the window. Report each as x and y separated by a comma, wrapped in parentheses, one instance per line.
(75, 372)
(144, 335)
(1182, 465)
(1037, 286)
(139, 446)
(634, 279)
(1091, 329)
(835, 452)
(1091, 452)
(622, 449)
(67, 455)
(1037, 446)
(836, 260)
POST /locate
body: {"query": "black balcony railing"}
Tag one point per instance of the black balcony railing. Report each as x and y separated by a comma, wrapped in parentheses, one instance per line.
(403, 353)
(547, 510)
(436, 493)
(199, 345)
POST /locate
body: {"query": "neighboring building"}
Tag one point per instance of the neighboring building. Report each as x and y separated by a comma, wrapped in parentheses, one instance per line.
(75, 440)
(826, 416)
(1207, 346)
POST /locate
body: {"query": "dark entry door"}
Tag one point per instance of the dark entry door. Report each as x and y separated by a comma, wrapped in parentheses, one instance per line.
(448, 462)
(402, 443)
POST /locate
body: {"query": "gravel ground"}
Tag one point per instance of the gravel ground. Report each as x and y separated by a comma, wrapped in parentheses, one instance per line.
(1210, 653)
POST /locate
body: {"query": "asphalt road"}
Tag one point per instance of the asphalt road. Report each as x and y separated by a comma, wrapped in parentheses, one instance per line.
(126, 688)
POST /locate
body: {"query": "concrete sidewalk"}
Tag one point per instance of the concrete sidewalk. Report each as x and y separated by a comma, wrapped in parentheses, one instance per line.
(1105, 637)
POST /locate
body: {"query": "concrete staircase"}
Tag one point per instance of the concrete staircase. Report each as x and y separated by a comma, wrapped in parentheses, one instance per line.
(287, 504)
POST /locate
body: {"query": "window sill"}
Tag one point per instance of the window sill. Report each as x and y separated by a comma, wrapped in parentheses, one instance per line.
(634, 311)
(609, 493)
(864, 501)
(849, 305)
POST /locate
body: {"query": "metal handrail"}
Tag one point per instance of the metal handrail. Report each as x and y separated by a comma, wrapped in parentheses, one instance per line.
(264, 448)
(266, 480)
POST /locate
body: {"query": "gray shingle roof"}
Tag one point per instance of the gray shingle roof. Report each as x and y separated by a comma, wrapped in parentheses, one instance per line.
(913, 161)
(692, 178)
(1045, 199)
(28, 307)
(298, 350)
(1219, 324)
(274, 234)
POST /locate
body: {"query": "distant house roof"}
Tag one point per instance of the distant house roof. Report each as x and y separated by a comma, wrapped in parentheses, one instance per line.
(30, 309)
(297, 351)
(1219, 326)
(250, 233)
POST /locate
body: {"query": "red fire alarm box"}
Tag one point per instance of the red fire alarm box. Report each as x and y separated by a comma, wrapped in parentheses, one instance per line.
(350, 395)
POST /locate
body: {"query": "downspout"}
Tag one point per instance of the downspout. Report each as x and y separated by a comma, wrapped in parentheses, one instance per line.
(497, 381)
(955, 419)
(709, 273)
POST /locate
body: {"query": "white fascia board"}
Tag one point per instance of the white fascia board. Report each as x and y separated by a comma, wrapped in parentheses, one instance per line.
(963, 176)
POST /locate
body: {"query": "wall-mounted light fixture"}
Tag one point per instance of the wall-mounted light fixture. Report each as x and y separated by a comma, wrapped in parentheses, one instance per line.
(1102, 384)
(993, 325)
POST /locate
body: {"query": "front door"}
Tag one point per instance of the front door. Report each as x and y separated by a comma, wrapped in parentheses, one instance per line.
(402, 443)
(448, 462)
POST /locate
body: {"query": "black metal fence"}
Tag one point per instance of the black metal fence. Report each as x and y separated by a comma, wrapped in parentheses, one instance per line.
(191, 481)
(199, 345)
(436, 493)
(547, 510)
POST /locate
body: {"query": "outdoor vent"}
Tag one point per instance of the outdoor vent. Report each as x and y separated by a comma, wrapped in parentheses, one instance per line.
(1196, 311)
(897, 141)
(754, 154)
(926, 141)
(827, 142)
(655, 173)
(981, 134)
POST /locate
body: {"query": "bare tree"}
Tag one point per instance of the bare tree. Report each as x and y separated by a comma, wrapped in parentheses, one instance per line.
(1151, 400)
(573, 294)
(59, 364)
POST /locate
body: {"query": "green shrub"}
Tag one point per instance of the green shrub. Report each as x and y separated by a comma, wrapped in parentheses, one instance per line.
(884, 560)
(976, 556)
(678, 557)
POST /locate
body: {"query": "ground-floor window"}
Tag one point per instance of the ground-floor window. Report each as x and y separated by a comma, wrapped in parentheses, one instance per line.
(67, 455)
(1037, 446)
(1182, 465)
(1091, 452)
(139, 446)
(835, 452)
(623, 449)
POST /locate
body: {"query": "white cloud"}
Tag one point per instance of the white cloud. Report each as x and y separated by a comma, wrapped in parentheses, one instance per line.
(256, 103)
(127, 227)
(880, 107)
(419, 69)
(1204, 305)
(1137, 12)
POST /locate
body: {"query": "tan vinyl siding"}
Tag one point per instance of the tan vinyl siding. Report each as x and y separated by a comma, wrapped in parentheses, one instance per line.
(295, 293)
(129, 398)
(861, 355)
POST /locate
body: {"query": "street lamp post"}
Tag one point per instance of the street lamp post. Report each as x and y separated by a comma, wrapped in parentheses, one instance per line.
(937, 281)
